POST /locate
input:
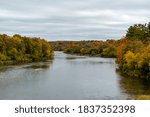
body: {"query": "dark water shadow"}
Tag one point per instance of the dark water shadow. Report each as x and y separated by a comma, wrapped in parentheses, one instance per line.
(4, 68)
(39, 65)
(33, 65)
(134, 86)
(73, 57)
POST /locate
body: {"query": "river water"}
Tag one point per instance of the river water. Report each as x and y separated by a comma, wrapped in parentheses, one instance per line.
(69, 77)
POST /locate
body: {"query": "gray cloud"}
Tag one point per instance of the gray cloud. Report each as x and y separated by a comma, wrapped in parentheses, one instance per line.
(72, 19)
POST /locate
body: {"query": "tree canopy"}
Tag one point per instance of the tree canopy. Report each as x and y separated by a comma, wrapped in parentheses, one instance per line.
(24, 49)
(139, 32)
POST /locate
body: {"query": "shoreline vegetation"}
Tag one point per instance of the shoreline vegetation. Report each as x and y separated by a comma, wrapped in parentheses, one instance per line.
(132, 52)
(19, 50)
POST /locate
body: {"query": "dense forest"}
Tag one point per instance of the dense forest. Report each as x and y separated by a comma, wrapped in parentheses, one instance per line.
(132, 52)
(91, 48)
(18, 49)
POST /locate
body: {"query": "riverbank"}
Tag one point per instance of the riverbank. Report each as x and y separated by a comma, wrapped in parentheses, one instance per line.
(128, 65)
(6, 63)
(88, 55)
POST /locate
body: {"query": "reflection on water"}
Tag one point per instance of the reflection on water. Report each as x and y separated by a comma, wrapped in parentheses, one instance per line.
(4, 68)
(70, 57)
(69, 77)
(44, 65)
(134, 86)
(21, 71)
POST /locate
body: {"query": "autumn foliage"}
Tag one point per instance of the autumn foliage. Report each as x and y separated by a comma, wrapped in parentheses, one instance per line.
(17, 49)
(137, 63)
(133, 56)
(90, 48)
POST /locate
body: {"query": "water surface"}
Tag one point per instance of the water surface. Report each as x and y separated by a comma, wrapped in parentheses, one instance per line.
(69, 77)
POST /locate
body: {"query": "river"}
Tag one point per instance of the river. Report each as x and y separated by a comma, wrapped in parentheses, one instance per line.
(69, 77)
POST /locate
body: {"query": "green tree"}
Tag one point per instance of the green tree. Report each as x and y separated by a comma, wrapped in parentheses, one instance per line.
(138, 32)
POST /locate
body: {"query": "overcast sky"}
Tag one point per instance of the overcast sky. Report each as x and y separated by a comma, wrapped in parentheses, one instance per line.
(72, 19)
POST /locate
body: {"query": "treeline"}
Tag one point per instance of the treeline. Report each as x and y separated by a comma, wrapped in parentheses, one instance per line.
(18, 49)
(132, 52)
(90, 48)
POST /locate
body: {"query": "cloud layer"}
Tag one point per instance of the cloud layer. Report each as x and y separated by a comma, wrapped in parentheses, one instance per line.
(72, 19)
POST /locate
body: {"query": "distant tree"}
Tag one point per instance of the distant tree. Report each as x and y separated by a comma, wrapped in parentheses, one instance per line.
(139, 32)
